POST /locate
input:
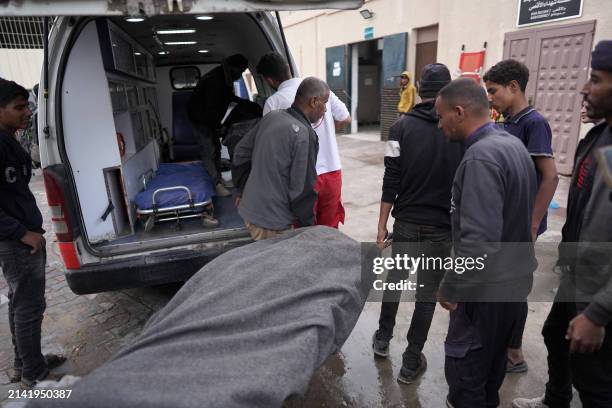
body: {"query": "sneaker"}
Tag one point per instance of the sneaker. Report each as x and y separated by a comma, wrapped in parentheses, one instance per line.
(380, 345)
(222, 191)
(412, 368)
(529, 403)
(53, 361)
(48, 376)
(516, 368)
(208, 221)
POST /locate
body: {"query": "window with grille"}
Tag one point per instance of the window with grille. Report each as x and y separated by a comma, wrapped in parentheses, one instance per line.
(22, 32)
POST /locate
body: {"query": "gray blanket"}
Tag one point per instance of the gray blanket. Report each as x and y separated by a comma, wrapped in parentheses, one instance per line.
(248, 330)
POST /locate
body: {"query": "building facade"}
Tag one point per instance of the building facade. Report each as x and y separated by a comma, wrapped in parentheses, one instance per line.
(362, 52)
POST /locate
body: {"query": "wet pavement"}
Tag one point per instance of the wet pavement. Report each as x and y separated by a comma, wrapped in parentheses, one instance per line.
(90, 329)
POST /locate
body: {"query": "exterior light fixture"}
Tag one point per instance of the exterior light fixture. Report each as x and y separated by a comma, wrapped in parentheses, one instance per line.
(163, 53)
(203, 51)
(366, 14)
(134, 19)
(205, 18)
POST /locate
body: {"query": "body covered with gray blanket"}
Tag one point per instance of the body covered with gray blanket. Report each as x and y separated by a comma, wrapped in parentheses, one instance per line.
(248, 330)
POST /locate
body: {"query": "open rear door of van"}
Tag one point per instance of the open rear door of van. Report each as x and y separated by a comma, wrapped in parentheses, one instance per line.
(155, 7)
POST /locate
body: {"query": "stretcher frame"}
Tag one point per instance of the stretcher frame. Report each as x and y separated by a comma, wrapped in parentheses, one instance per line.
(152, 216)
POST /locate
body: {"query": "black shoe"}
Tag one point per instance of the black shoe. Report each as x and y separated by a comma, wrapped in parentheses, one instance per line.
(47, 376)
(53, 361)
(412, 367)
(380, 345)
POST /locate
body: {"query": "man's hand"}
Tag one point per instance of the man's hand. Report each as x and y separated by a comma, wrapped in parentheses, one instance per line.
(584, 335)
(534, 232)
(237, 201)
(446, 304)
(35, 240)
(382, 235)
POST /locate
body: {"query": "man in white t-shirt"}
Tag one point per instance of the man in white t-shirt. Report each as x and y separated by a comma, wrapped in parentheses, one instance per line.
(328, 207)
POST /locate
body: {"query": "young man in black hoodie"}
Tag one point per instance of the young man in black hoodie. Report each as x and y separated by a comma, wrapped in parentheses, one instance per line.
(419, 168)
(22, 244)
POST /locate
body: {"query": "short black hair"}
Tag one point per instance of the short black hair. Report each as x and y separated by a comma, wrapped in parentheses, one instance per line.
(467, 93)
(9, 91)
(508, 70)
(273, 65)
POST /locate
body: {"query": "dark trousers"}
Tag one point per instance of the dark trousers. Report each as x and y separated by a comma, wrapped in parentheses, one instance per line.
(590, 373)
(25, 276)
(516, 341)
(210, 149)
(476, 351)
(433, 242)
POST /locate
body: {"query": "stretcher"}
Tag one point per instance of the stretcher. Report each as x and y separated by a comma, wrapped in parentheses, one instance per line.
(176, 192)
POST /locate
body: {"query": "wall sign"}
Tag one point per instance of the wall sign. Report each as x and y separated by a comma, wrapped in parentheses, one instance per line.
(368, 33)
(542, 11)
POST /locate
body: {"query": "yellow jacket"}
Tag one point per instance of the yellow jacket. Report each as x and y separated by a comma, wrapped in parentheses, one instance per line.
(407, 96)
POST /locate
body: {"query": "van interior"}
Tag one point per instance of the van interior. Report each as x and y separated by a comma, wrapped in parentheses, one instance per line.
(124, 93)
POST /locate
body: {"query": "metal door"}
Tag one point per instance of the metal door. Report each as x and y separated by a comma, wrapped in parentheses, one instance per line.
(558, 61)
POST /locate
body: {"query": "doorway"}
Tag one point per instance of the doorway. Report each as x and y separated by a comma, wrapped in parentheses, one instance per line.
(366, 83)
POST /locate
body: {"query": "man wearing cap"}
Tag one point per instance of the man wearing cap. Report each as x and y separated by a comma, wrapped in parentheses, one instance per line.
(407, 94)
(578, 330)
(207, 108)
(419, 168)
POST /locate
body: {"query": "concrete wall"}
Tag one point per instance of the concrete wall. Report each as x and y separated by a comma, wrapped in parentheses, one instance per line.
(21, 66)
(469, 22)
(310, 33)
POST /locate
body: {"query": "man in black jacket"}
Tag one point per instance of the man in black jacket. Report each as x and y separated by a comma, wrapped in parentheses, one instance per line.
(491, 210)
(419, 168)
(22, 245)
(208, 107)
(578, 329)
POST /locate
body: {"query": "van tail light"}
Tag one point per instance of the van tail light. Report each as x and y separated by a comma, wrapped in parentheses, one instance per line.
(60, 220)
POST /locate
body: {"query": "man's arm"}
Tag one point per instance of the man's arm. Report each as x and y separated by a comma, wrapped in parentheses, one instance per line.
(340, 113)
(391, 181)
(302, 178)
(241, 162)
(480, 224)
(10, 228)
(546, 167)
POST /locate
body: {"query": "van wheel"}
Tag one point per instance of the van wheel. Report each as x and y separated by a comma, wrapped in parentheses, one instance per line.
(149, 224)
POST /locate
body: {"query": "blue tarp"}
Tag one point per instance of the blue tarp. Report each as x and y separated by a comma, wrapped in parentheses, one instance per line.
(191, 175)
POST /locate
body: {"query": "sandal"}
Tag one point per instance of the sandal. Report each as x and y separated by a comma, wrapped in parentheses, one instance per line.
(516, 368)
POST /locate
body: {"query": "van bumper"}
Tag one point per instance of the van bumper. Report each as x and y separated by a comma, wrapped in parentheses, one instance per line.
(144, 270)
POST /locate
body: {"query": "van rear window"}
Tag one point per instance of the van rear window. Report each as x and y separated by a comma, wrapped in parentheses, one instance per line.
(184, 77)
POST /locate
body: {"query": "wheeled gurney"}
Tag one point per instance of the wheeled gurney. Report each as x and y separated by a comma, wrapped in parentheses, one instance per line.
(177, 191)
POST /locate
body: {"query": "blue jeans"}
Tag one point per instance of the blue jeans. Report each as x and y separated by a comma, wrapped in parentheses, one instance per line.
(436, 243)
(25, 276)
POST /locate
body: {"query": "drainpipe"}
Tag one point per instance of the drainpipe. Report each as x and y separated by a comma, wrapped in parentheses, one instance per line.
(282, 32)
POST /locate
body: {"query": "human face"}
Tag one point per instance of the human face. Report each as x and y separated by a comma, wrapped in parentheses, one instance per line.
(449, 120)
(597, 93)
(15, 115)
(500, 96)
(318, 107)
(403, 80)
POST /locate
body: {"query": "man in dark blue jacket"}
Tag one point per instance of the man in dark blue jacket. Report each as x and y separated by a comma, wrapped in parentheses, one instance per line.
(419, 168)
(22, 245)
(491, 212)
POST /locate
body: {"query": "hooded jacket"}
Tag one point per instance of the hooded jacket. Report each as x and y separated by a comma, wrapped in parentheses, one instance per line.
(18, 210)
(407, 96)
(420, 164)
(587, 233)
